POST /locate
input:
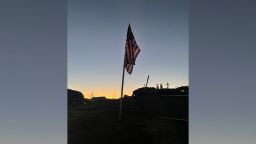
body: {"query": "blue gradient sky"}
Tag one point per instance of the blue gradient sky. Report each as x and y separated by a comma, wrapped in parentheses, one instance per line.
(96, 40)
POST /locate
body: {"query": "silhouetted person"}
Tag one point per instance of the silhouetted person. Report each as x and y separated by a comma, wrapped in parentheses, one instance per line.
(157, 87)
(167, 85)
(161, 86)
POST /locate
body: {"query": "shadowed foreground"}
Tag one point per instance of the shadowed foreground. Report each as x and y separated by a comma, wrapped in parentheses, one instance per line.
(97, 123)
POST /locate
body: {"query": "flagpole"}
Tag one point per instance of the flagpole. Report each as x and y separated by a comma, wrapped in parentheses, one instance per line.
(147, 81)
(120, 109)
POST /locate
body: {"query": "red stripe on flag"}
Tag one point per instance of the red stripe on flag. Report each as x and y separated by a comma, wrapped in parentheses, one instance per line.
(131, 51)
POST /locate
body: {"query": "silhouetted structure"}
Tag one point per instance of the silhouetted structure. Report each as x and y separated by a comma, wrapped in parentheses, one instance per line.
(183, 90)
(160, 102)
(157, 87)
(98, 98)
(161, 86)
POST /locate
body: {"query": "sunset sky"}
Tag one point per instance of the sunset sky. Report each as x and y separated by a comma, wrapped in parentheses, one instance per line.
(96, 43)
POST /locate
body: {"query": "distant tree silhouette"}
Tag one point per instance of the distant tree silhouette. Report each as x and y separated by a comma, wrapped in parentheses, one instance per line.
(75, 98)
(157, 87)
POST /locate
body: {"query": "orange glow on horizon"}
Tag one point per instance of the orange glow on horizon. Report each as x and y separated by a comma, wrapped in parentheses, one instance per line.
(109, 91)
(113, 93)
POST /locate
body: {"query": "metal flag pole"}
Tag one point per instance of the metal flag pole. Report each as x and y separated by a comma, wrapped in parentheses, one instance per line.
(147, 81)
(131, 52)
(146, 85)
(120, 109)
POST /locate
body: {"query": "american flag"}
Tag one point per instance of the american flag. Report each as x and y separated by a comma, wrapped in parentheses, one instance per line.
(131, 51)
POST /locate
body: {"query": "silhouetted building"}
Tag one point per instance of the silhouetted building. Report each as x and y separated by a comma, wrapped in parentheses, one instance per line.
(98, 98)
(166, 102)
(183, 90)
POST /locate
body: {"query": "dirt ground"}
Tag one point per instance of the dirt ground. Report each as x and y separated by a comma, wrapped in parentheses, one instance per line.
(99, 124)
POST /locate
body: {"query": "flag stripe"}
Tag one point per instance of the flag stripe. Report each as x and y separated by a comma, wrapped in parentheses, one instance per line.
(131, 51)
